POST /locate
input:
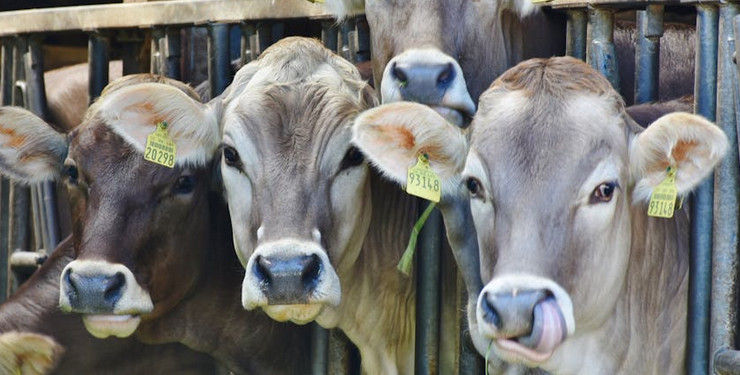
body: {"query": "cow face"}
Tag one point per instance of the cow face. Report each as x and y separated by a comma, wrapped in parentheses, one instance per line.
(442, 53)
(557, 172)
(298, 192)
(140, 229)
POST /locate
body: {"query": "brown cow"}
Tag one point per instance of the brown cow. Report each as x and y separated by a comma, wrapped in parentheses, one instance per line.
(318, 232)
(152, 245)
(580, 279)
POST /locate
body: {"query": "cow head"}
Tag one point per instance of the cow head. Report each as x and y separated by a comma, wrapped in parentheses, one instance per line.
(442, 53)
(558, 173)
(140, 229)
(298, 192)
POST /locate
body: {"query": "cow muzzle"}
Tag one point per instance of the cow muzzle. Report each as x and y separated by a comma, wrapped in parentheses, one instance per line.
(106, 294)
(290, 280)
(430, 77)
(526, 317)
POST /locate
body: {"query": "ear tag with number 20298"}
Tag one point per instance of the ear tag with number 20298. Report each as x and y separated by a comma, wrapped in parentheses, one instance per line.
(663, 199)
(421, 180)
(160, 148)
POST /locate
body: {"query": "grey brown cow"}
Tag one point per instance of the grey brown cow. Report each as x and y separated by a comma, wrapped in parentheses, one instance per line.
(319, 233)
(152, 245)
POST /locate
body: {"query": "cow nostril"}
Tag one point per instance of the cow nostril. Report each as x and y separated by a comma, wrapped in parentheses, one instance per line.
(399, 74)
(491, 315)
(446, 76)
(311, 272)
(114, 287)
(262, 271)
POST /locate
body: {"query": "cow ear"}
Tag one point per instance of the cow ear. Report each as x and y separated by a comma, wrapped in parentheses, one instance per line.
(134, 111)
(392, 137)
(689, 143)
(27, 353)
(31, 151)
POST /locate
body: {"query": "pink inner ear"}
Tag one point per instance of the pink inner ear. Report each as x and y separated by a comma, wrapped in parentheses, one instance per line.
(398, 133)
(682, 149)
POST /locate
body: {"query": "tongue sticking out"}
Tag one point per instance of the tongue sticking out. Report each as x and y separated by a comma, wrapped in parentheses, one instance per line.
(548, 331)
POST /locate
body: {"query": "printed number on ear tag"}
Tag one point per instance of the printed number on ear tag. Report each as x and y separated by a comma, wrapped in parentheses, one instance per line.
(421, 180)
(160, 148)
(663, 199)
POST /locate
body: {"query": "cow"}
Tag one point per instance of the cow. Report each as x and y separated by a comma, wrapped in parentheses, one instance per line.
(27, 353)
(319, 233)
(580, 279)
(152, 247)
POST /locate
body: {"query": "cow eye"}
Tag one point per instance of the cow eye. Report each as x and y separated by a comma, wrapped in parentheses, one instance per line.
(231, 156)
(72, 173)
(184, 185)
(352, 158)
(604, 192)
(475, 187)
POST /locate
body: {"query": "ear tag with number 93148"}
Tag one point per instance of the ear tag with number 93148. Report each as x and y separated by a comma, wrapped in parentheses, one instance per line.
(421, 180)
(663, 199)
(160, 148)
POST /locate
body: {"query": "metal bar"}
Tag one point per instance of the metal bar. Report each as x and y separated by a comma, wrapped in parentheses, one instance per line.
(155, 13)
(601, 52)
(47, 196)
(131, 43)
(155, 56)
(247, 48)
(219, 66)
(726, 195)
(340, 354)
(427, 296)
(6, 75)
(727, 362)
(363, 39)
(264, 33)
(171, 46)
(647, 53)
(345, 46)
(575, 34)
(6, 95)
(319, 352)
(97, 58)
(278, 31)
(701, 207)
(329, 35)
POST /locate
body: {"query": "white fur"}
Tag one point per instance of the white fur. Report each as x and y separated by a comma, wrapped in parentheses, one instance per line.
(653, 149)
(31, 151)
(133, 112)
(27, 353)
(134, 300)
(343, 8)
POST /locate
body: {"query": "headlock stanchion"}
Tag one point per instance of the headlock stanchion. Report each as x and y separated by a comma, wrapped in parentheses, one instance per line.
(600, 50)
(726, 194)
(647, 53)
(219, 66)
(575, 35)
(702, 199)
(6, 96)
(98, 59)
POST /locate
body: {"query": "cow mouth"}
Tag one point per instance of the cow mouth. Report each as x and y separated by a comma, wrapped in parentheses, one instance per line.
(102, 326)
(548, 331)
(298, 314)
(458, 117)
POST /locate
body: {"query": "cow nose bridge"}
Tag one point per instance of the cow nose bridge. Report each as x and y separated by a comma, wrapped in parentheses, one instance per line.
(512, 313)
(288, 280)
(423, 82)
(93, 293)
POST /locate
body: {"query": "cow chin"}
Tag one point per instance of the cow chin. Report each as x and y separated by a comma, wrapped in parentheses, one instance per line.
(103, 326)
(522, 319)
(298, 314)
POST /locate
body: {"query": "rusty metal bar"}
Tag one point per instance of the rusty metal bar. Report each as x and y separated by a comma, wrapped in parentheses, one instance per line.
(647, 53)
(701, 207)
(726, 194)
(601, 52)
(575, 34)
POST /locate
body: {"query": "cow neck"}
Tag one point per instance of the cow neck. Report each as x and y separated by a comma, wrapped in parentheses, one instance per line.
(378, 308)
(211, 318)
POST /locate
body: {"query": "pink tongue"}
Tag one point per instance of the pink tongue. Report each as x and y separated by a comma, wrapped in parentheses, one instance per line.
(553, 326)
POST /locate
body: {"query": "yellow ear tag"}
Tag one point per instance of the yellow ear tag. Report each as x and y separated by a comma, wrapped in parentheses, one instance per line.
(663, 199)
(421, 180)
(160, 148)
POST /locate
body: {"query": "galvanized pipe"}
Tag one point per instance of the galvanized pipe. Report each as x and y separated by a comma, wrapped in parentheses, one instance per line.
(6, 96)
(171, 46)
(47, 195)
(346, 44)
(264, 34)
(726, 194)
(219, 66)
(727, 362)
(363, 39)
(131, 43)
(155, 56)
(329, 35)
(97, 58)
(575, 34)
(248, 47)
(701, 201)
(427, 295)
(601, 52)
(319, 354)
(647, 53)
